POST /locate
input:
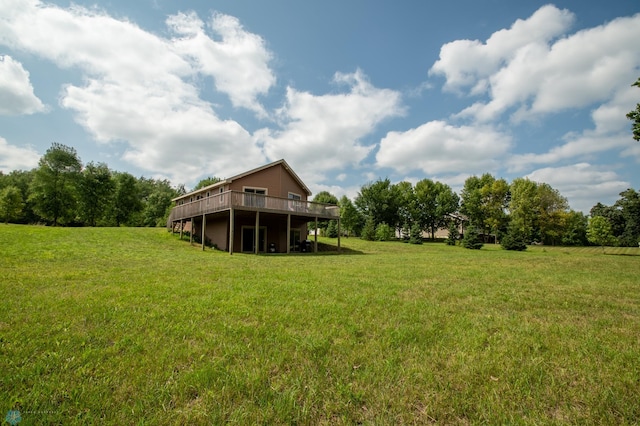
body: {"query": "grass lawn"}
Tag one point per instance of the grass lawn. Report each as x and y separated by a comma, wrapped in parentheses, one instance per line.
(134, 326)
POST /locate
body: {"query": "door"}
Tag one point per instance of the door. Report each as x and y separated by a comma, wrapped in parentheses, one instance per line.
(248, 239)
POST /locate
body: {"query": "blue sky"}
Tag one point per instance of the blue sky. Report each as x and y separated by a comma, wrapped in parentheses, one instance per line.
(345, 91)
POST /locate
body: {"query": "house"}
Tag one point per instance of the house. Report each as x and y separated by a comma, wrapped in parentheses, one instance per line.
(268, 205)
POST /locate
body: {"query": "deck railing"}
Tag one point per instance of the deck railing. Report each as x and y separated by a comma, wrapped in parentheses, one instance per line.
(250, 201)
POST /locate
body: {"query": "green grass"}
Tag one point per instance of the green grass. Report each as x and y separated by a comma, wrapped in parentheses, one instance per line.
(134, 326)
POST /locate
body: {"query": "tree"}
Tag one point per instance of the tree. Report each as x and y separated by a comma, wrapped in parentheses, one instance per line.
(157, 204)
(634, 116)
(472, 239)
(369, 229)
(406, 205)
(575, 229)
(53, 190)
(384, 232)
(126, 200)
(22, 179)
(95, 192)
(484, 201)
(524, 212)
(327, 198)
(10, 203)
(415, 234)
(379, 200)
(350, 218)
(513, 239)
(629, 207)
(551, 207)
(206, 182)
(599, 231)
(453, 235)
(332, 229)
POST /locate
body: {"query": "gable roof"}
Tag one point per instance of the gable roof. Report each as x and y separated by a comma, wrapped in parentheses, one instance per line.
(226, 181)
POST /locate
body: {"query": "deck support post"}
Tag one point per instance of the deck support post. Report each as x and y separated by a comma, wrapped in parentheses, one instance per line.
(256, 238)
(338, 234)
(204, 225)
(191, 233)
(288, 233)
(315, 235)
(231, 226)
(181, 228)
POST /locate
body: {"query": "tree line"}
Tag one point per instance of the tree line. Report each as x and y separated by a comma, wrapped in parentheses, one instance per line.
(61, 191)
(491, 209)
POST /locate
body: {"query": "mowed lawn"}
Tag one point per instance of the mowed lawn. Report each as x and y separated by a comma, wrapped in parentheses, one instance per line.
(134, 326)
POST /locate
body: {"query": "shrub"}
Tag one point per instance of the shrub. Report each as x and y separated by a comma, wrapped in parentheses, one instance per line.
(332, 229)
(384, 232)
(369, 230)
(472, 239)
(416, 234)
(453, 234)
(514, 240)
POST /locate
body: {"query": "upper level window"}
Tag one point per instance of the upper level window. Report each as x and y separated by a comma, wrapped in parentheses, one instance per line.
(293, 196)
(252, 196)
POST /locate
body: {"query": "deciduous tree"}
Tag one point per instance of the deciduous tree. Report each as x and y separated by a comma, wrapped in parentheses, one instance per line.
(634, 116)
(10, 203)
(599, 231)
(53, 190)
(95, 192)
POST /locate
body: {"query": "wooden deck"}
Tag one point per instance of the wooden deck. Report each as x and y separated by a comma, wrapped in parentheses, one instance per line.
(252, 202)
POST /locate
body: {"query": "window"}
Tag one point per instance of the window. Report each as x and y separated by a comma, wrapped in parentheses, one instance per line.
(254, 197)
(296, 204)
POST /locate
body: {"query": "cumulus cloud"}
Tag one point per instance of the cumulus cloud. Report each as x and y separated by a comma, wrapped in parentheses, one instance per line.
(16, 158)
(439, 147)
(138, 87)
(582, 183)
(470, 63)
(238, 63)
(530, 70)
(610, 132)
(16, 92)
(321, 133)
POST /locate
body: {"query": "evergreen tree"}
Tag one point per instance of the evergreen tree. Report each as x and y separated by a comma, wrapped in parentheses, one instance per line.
(415, 236)
(369, 229)
(472, 239)
(514, 240)
(453, 236)
(332, 229)
(384, 232)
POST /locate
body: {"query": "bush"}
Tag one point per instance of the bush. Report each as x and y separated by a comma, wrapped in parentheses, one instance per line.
(416, 234)
(514, 240)
(453, 234)
(332, 229)
(472, 239)
(369, 230)
(384, 232)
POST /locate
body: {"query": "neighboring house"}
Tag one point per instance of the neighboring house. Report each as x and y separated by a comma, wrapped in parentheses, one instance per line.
(267, 205)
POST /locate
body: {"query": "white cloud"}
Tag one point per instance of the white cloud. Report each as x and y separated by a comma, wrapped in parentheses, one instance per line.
(583, 184)
(138, 87)
(529, 69)
(238, 63)
(611, 132)
(469, 63)
(324, 133)
(16, 91)
(16, 158)
(438, 147)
